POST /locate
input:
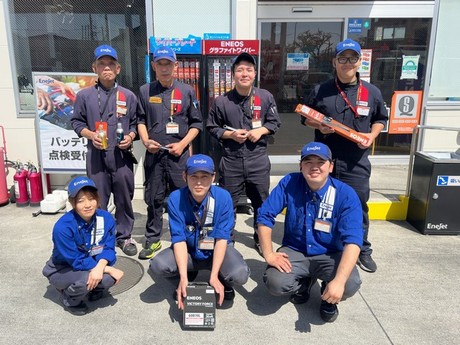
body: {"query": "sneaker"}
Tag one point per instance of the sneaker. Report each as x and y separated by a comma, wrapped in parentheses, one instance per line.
(366, 263)
(95, 295)
(303, 294)
(128, 246)
(149, 251)
(329, 312)
(77, 310)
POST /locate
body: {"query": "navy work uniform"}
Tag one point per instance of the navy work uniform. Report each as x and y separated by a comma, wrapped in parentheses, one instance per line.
(244, 166)
(358, 106)
(110, 169)
(199, 225)
(78, 247)
(317, 226)
(168, 114)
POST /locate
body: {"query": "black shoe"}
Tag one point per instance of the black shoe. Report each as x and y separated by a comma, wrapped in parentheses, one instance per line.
(229, 293)
(257, 243)
(329, 312)
(78, 310)
(128, 246)
(95, 295)
(366, 263)
(303, 294)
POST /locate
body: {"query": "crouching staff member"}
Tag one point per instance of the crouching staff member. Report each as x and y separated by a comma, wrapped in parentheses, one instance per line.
(323, 234)
(83, 256)
(201, 221)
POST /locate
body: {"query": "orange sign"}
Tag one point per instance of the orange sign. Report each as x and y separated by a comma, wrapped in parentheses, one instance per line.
(406, 107)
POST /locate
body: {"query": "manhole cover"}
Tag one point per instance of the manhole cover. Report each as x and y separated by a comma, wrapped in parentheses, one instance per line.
(133, 272)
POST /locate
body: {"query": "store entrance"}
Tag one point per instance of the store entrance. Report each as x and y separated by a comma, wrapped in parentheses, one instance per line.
(295, 56)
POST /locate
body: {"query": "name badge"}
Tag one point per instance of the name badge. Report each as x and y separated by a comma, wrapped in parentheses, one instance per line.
(95, 250)
(363, 103)
(323, 225)
(156, 100)
(256, 124)
(363, 111)
(122, 110)
(176, 101)
(172, 128)
(206, 243)
(123, 103)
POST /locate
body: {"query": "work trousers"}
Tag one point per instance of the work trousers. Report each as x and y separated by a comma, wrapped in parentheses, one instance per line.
(163, 173)
(321, 267)
(234, 270)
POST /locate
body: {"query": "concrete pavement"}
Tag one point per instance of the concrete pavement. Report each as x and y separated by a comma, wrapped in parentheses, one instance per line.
(413, 298)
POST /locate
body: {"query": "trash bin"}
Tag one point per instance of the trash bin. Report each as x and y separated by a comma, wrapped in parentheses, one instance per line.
(434, 192)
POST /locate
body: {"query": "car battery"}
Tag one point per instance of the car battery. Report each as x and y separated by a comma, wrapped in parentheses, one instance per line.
(200, 306)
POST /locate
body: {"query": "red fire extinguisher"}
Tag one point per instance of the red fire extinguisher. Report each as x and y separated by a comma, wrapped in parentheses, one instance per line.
(34, 181)
(20, 186)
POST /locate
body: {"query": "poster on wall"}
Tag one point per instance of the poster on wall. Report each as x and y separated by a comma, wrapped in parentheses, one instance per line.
(405, 111)
(297, 61)
(60, 148)
(365, 67)
(409, 66)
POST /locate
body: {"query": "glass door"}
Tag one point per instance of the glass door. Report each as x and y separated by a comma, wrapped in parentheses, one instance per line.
(295, 56)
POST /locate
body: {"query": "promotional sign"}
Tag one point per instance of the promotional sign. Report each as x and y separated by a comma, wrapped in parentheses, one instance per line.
(230, 47)
(405, 111)
(365, 68)
(297, 61)
(187, 45)
(60, 148)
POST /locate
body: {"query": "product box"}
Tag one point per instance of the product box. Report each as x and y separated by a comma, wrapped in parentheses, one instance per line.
(341, 129)
(200, 306)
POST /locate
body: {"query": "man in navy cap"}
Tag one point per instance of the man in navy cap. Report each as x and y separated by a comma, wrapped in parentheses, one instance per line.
(201, 220)
(323, 234)
(358, 105)
(102, 109)
(169, 119)
(242, 120)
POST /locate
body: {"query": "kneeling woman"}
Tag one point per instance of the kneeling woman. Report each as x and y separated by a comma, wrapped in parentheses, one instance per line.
(83, 256)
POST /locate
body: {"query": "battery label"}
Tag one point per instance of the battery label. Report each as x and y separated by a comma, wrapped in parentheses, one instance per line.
(196, 319)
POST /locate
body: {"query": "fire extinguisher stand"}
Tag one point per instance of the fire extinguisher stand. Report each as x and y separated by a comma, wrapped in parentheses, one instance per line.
(4, 198)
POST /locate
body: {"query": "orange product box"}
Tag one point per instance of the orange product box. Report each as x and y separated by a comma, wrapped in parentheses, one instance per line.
(341, 129)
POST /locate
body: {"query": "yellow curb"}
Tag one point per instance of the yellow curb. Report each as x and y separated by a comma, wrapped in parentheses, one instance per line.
(389, 210)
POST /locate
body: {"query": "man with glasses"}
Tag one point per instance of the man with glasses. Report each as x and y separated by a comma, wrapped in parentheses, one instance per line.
(358, 105)
(242, 119)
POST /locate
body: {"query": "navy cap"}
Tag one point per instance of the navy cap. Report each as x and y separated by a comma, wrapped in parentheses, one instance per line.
(199, 162)
(105, 50)
(316, 149)
(78, 183)
(348, 44)
(163, 52)
(244, 57)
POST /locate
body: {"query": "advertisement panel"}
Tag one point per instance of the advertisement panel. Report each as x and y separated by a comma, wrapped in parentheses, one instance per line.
(60, 149)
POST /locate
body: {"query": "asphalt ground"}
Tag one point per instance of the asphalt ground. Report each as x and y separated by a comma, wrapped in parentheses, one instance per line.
(413, 298)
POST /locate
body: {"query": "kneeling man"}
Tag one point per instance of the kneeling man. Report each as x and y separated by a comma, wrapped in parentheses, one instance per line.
(201, 221)
(323, 234)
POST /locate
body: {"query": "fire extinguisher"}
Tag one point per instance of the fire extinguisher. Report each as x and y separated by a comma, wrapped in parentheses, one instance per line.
(34, 182)
(20, 186)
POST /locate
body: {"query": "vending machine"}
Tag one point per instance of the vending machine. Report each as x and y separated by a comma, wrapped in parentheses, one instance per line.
(189, 69)
(218, 56)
